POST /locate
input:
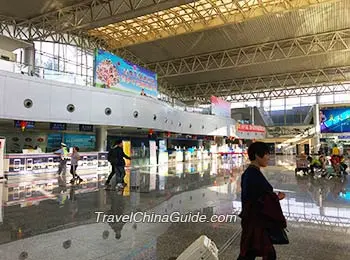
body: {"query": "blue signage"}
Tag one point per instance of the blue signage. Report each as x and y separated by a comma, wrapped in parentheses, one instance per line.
(29, 124)
(58, 126)
(86, 128)
(344, 137)
(113, 72)
(335, 120)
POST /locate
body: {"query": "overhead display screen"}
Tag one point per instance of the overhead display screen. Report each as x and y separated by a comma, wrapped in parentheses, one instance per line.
(335, 120)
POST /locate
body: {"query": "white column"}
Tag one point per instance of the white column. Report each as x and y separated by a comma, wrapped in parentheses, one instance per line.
(2, 160)
(101, 139)
(29, 59)
(317, 126)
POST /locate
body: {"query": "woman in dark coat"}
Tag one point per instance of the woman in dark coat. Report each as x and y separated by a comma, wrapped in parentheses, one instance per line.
(261, 210)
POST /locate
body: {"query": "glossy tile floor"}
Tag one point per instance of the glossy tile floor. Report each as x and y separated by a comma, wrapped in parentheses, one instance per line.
(44, 217)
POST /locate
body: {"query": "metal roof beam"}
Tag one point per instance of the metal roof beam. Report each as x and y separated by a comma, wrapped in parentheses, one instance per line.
(285, 49)
(91, 14)
(197, 16)
(10, 28)
(303, 83)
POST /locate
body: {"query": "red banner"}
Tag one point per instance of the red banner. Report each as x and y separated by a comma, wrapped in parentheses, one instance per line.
(251, 128)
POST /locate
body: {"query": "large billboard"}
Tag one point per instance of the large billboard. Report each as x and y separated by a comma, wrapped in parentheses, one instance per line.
(335, 120)
(250, 131)
(112, 72)
(220, 107)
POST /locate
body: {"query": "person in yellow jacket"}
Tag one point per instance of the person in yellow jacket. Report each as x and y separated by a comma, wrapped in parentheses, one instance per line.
(335, 150)
(63, 152)
(335, 159)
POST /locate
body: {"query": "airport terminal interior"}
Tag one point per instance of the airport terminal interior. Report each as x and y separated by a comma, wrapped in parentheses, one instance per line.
(112, 109)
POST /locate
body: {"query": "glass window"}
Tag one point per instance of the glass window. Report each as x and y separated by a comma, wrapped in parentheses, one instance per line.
(277, 104)
(308, 100)
(292, 102)
(326, 99)
(341, 98)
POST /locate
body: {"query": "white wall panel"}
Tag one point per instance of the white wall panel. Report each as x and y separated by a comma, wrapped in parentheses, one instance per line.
(82, 101)
(101, 101)
(59, 98)
(40, 92)
(15, 92)
(50, 100)
(2, 94)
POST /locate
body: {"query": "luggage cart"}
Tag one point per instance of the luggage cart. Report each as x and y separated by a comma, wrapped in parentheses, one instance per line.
(302, 164)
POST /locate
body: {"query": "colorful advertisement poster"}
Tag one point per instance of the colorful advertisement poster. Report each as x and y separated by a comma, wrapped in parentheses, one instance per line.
(112, 72)
(220, 107)
(335, 120)
(84, 142)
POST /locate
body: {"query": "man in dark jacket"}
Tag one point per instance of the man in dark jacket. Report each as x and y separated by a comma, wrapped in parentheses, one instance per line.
(116, 157)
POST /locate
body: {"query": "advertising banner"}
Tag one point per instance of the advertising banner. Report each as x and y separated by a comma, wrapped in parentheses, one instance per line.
(153, 152)
(113, 72)
(251, 128)
(127, 151)
(162, 146)
(2, 153)
(335, 120)
(84, 142)
(220, 107)
(250, 132)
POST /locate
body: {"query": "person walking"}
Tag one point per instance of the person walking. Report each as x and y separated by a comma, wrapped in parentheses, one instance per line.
(261, 210)
(116, 157)
(63, 153)
(75, 157)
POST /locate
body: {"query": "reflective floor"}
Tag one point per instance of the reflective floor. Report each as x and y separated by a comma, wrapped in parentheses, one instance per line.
(44, 217)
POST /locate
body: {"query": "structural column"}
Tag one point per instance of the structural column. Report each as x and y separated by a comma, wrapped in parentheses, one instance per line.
(317, 143)
(101, 138)
(252, 115)
(29, 59)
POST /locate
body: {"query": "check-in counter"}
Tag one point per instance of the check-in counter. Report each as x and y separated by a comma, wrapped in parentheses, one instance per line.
(21, 164)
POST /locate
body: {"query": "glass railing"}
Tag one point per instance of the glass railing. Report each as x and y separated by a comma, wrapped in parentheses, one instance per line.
(73, 78)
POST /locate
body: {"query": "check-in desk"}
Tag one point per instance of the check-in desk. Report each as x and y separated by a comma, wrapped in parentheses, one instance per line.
(21, 164)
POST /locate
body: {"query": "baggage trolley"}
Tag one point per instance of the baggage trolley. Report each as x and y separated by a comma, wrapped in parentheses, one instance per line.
(302, 164)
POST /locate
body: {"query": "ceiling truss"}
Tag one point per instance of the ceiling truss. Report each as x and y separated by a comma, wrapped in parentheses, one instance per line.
(191, 17)
(65, 26)
(10, 28)
(305, 46)
(85, 15)
(303, 83)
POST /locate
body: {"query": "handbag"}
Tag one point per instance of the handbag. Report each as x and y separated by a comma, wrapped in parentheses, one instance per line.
(278, 236)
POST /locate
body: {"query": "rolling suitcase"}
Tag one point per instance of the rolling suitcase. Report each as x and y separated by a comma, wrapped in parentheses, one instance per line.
(201, 249)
